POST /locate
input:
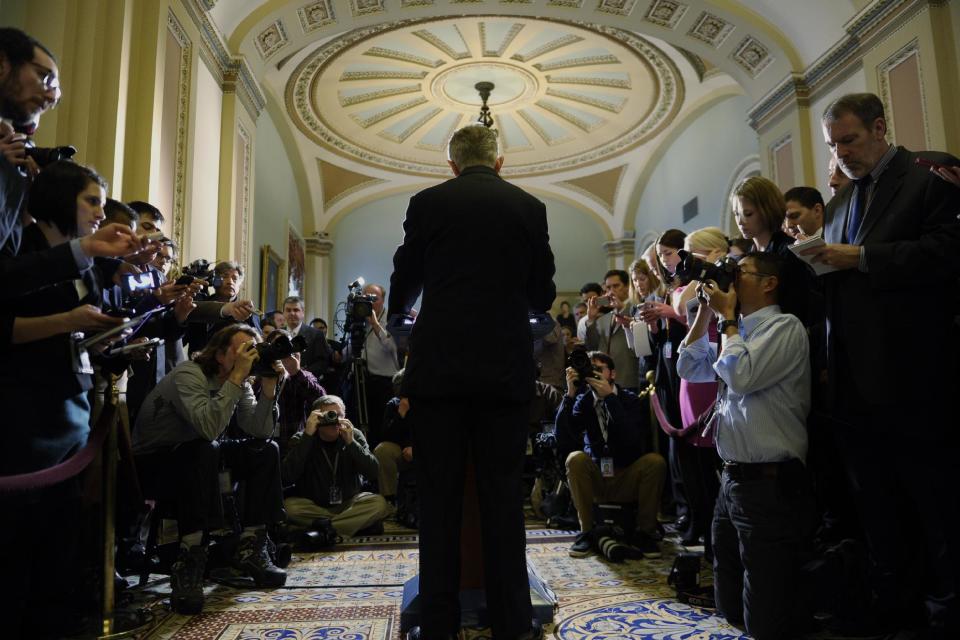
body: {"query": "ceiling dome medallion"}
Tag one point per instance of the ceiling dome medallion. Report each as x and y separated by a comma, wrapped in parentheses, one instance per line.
(567, 94)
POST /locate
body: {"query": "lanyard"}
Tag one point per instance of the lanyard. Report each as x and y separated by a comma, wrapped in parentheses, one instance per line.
(336, 462)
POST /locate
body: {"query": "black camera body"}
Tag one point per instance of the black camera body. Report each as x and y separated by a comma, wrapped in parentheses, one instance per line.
(202, 270)
(278, 349)
(579, 360)
(45, 156)
(723, 271)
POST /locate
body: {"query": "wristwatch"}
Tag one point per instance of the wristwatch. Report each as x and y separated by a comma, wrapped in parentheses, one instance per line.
(723, 324)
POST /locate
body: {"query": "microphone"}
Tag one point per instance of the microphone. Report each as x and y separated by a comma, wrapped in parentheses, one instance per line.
(359, 282)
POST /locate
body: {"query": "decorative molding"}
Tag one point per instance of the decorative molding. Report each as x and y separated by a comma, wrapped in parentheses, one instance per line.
(778, 144)
(620, 247)
(666, 13)
(912, 48)
(415, 3)
(596, 82)
(593, 101)
(572, 118)
(365, 7)
(553, 45)
(246, 169)
(711, 29)
(416, 124)
(568, 63)
(233, 73)
(318, 245)
(346, 101)
(699, 66)
(861, 31)
(752, 56)
(454, 124)
(386, 113)
(573, 4)
(316, 15)
(383, 75)
(183, 111)
(393, 54)
(271, 39)
(300, 96)
(432, 38)
(507, 39)
(617, 7)
(208, 4)
(530, 120)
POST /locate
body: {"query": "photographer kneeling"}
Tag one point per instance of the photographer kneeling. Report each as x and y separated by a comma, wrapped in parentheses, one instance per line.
(181, 450)
(614, 464)
(324, 463)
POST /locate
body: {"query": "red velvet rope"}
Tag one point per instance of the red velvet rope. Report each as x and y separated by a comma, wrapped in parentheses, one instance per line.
(67, 469)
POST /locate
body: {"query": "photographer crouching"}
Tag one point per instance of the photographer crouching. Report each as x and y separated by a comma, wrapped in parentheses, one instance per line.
(182, 455)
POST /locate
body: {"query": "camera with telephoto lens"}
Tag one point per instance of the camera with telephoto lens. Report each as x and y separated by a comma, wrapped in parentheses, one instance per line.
(579, 360)
(277, 349)
(723, 271)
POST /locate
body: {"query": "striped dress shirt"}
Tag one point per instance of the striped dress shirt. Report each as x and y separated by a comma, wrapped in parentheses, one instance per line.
(766, 371)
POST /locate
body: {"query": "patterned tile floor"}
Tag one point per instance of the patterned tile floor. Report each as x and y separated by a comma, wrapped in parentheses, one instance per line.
(354, 592)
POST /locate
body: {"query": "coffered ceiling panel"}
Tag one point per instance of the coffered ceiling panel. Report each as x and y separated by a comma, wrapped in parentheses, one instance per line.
(565, 94)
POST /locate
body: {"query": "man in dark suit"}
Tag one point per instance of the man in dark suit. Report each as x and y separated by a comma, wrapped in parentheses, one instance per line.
(318, 356)
(894, 238)
(471, 240)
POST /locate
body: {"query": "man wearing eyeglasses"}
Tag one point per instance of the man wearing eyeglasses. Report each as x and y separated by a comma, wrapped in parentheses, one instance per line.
(29, 85)
(763, 511)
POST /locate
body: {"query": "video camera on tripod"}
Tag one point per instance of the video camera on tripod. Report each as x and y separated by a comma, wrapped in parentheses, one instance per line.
(359, 307)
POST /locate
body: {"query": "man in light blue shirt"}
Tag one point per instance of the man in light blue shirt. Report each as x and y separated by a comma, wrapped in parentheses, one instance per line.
(762, 518)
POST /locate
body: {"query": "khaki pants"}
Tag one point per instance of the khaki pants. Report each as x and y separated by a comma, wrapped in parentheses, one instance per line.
(641, 481)
(390, 457)
(364, 510)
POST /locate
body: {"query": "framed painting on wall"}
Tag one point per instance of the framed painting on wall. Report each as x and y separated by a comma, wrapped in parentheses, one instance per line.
(271, 272)
(296, 263)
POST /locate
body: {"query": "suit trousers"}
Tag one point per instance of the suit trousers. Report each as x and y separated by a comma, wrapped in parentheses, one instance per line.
(760, 532)
(642, 482)
(188, 475)
(495, 435)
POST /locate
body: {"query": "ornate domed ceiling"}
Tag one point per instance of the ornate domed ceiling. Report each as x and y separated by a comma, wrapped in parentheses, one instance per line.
(566, 94)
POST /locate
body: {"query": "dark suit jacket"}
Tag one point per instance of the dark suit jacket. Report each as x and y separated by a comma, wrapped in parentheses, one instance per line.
(892, 323)
(471, 242)
(46, 364)
(316, 359)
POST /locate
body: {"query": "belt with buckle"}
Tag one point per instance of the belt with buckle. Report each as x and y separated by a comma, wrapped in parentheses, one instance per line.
(755, 470)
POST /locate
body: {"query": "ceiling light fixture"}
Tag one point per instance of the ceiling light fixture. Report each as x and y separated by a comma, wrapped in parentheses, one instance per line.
(484, 88)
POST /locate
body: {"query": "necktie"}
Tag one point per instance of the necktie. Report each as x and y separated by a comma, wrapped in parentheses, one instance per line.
(857, 207)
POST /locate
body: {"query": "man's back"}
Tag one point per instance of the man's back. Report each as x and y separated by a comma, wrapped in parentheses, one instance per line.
(471, 242)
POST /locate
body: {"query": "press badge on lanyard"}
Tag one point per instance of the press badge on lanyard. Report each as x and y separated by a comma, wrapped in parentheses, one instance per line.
(606, 467)
(668, 350)
(336, 495)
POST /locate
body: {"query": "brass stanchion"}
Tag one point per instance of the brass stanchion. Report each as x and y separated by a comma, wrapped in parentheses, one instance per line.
(116, 624)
